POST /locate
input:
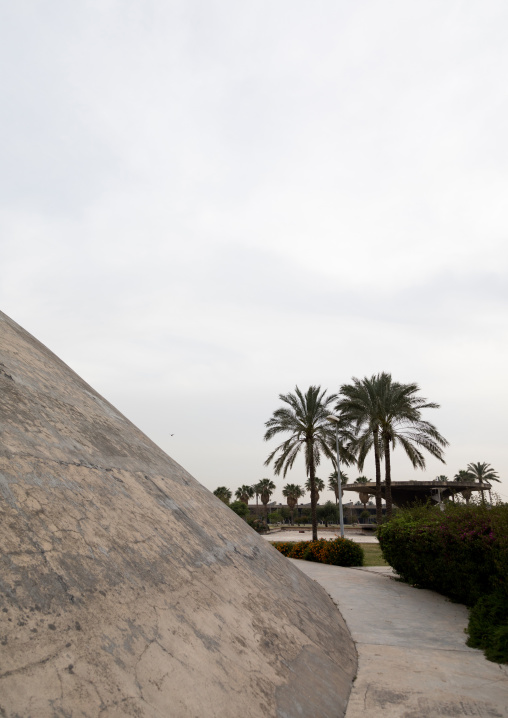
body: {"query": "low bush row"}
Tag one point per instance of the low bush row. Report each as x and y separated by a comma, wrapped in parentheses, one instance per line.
(461, 553)
(338, 552)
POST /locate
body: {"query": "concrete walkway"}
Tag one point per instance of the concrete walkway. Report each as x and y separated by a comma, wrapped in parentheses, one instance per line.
(412, 657)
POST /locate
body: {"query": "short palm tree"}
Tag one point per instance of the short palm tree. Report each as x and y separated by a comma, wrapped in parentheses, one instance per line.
(333, 484)
(362, 480)
(292, 492)
(304, 417)
(244, 493)
(483, 472)
(319, 486)
(265, 489)
(464, 475)
(223, 493)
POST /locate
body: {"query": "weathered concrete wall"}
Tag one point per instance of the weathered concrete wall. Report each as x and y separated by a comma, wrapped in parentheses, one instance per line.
(128, 589)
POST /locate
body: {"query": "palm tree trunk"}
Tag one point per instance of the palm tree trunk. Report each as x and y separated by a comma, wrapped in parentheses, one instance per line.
(388, 476)
(379, 509)
(313, 499)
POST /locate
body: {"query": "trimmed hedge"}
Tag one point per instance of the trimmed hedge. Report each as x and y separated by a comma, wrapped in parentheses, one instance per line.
(461, 553)
(337, 552)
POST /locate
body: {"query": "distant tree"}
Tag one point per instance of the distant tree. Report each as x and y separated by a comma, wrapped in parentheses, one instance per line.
(328, 513)
(275, 517)
(464, 475)
(292, 492)
(224, 494)
(240, 508)
(333, 485)
(244, 493)
(362, 480)
(319, 486)
(265, 489)
(483, 472)
(441, 477)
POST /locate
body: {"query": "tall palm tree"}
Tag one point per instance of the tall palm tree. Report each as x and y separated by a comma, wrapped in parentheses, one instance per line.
(304, 417)
(358, 407)
(319, 486)
(483, 472)
(265, 489)
(333, 483)
(244, 493)
(401, 422)
(292, 492)
(386, 413)
(224, 494)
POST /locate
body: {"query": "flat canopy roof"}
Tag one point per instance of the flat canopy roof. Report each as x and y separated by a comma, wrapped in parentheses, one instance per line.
(407, 492)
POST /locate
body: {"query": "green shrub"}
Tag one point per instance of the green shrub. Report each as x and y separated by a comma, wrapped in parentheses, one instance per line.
(344, 552)
(338, 552)
(461, 553)
(488, 626)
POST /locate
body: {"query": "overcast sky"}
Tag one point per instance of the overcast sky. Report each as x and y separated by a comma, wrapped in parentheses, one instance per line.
(204, 204)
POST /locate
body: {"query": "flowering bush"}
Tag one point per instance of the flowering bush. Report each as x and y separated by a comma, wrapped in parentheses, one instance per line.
(338, 552)
(461, 553)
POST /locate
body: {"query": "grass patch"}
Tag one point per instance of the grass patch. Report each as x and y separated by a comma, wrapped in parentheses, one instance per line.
(372, 555)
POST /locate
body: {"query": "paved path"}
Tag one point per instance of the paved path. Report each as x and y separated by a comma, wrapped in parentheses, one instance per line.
(412, 658)
(307, 536)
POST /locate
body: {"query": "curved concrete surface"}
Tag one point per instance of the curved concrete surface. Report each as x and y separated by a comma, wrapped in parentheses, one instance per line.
(413, 661)
(128, 589)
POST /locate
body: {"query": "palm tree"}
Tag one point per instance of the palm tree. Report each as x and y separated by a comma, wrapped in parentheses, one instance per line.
(244, 493)
(333, 483)
(385, 412)
(305, 418)
(319, 486)
(292, 492)
(362, 480)
(265, 489)
(400, 422)
(224, 494)
(464, 475)
(358, 407)
(483, 472)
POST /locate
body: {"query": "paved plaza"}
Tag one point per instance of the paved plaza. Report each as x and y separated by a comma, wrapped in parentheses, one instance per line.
(296, 535)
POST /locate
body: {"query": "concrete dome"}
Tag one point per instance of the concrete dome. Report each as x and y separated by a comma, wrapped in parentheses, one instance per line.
(127, 588)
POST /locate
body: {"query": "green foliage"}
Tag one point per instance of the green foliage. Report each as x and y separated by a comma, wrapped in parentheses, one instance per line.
(224, 494)
(461, 553)
(338, 552)
(240, 508)
(488, 626)
(275, 517)
(328, 513)
(255, 523)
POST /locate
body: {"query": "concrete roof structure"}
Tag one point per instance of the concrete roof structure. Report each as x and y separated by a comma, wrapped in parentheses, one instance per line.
(407, 492)
(127, 588)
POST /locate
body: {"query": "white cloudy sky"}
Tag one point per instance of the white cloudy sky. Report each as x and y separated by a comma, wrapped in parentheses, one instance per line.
(205, 203)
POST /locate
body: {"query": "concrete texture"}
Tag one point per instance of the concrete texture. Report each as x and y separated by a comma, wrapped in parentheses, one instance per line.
(412, 658)
(128, 589)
